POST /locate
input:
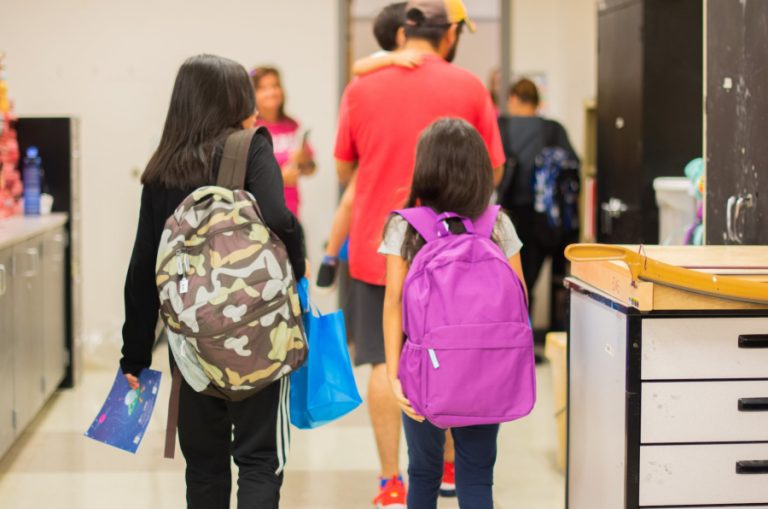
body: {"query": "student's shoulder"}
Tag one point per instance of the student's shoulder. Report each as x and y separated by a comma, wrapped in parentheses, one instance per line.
(396, 224)
(289, 123)
(552, 124)
(261, 150)
(261, 138)
(504, 227)
(394, 235)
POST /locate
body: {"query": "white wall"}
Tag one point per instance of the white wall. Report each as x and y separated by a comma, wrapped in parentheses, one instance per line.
(559, 38)
(112, 63)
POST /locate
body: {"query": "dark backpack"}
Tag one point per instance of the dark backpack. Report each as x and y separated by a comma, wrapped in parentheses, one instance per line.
(556, 185)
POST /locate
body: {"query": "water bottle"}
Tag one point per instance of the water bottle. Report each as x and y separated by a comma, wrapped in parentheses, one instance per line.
(32, 182)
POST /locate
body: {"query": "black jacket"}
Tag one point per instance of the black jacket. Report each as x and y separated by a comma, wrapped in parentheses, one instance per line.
(263, 179)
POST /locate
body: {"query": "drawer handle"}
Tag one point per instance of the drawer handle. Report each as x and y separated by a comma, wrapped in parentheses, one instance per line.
(753, 404)
(751, 467)
(753, 341)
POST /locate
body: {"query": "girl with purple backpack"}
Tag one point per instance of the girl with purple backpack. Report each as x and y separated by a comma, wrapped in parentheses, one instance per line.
(465, 360)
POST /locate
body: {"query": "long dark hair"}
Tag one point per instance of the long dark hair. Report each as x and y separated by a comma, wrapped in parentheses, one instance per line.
(453, 173)
(261, 72)
(211, 98)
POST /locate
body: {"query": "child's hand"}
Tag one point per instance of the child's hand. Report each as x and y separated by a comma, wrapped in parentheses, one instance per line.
(407, 58)
(133, 382)
(405, 405)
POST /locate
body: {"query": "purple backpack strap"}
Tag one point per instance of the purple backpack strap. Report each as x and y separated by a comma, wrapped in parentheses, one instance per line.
(423, 220)
(485, 224)
(427, 222)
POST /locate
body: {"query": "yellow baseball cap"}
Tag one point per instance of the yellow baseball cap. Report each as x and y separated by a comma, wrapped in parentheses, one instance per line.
(440, 13)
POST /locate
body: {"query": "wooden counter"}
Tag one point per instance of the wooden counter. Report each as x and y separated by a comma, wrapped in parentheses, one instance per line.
(613, 278)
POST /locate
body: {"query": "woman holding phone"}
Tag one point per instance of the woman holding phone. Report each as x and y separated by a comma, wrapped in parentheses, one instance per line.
(292, 150)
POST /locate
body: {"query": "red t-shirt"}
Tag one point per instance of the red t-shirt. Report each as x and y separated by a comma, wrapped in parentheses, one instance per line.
(381, 117)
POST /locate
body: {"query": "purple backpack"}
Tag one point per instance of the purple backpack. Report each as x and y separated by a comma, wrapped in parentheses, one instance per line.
(468, 357)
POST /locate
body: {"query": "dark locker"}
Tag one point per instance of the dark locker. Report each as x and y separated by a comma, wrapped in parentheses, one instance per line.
(649, 103)
(737, 122)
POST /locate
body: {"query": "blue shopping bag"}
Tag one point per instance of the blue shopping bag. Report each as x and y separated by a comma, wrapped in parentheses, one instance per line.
(324, 389)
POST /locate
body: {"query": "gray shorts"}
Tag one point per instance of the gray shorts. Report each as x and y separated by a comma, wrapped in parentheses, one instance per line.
(364, 311)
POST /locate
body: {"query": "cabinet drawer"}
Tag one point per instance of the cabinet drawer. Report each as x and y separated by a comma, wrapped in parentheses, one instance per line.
(701, 475)
(685, 412)
(704, 348)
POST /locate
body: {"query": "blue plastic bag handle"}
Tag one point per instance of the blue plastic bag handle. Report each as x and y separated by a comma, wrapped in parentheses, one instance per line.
(303, 286)
(307, 306)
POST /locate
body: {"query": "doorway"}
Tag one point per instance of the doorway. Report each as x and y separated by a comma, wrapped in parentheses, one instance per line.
(482, 53)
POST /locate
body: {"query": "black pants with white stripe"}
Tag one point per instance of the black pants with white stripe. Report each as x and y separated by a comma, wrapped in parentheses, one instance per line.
(212, 431)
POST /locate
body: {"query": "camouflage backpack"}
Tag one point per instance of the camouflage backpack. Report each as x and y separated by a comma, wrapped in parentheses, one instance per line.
(227, 290)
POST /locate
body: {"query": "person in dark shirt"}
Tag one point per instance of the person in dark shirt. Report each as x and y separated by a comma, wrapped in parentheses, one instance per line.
(525, 134)
(212, 98)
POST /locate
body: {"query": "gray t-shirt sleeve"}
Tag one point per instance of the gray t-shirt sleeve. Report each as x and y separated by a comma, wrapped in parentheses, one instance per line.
(394, 236)
(504, 232)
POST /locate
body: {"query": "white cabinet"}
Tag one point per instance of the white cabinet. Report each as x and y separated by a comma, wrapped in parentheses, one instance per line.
(6, 350)
(667, 408)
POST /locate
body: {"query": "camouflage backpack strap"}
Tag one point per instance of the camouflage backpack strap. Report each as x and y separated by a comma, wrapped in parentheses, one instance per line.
(234, 161)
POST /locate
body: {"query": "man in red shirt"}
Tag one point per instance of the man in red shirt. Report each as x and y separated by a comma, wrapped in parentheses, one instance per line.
(381, 117)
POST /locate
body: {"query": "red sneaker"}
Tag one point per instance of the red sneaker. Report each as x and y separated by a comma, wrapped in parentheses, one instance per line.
(392, 495)
(448, 486)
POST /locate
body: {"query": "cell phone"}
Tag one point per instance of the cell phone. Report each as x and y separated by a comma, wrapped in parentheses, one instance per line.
(305, 137)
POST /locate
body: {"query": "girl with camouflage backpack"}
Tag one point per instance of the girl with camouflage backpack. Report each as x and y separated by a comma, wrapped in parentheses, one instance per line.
(213, 102)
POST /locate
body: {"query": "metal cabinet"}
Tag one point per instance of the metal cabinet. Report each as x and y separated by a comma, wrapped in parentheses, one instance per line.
(6, 350)
(34, 356)
(54, 325)
(28, 344)
(737, 117)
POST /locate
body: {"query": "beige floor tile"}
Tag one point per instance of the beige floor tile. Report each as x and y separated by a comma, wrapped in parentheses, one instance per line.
(54, 465)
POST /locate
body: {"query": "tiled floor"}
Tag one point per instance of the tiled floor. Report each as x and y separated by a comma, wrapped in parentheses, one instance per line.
(55, 466)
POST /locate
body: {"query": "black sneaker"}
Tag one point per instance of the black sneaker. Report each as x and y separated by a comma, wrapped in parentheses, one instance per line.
(326, 276)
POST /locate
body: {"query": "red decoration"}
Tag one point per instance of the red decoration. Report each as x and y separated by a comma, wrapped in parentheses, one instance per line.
(10, 180)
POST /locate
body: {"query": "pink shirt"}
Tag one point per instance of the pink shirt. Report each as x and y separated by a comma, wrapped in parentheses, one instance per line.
(286, 138)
